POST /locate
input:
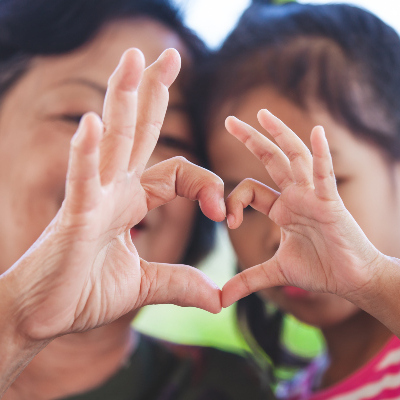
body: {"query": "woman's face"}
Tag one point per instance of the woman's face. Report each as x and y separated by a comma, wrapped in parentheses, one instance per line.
(38, 118)
(369, 187)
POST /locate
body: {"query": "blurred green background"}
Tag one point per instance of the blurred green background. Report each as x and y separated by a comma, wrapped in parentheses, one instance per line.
(198, 327)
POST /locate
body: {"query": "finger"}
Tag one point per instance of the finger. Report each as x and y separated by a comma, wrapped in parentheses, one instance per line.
(119, 114)
(83, 187)
(272, 157)
(324, 177)
(178, 284)
(297, 152)
(252, 280)
(153, 102)
(179, 177)
(249, 192)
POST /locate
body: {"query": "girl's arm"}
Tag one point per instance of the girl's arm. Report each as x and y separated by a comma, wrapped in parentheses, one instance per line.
(322, 247)
(84, 271)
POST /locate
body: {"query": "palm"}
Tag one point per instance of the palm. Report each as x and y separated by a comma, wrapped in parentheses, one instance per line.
(303, 228)
(113, 277)
(320, 241)
(87, 271)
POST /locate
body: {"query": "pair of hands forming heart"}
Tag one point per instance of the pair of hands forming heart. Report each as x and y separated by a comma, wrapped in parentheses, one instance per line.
(84, 271)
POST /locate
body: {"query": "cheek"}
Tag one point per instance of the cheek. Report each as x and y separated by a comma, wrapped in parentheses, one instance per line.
(41, 174)
(38, 166)
(373, 205)
(320, 310)
(179, 215)
(32, 189)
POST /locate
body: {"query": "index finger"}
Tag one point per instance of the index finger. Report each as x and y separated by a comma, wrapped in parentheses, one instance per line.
(152, 106)
(296, 151)
(119, 114)
(178, 177)
(272, 157)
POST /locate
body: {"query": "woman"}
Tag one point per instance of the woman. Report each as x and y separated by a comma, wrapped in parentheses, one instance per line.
(84, 270)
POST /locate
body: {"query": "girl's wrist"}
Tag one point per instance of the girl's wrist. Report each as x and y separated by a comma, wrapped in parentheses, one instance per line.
(380, 296)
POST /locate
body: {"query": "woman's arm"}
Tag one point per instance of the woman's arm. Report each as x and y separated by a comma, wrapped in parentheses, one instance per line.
(84, 271)
(322, 247)
(16, 349)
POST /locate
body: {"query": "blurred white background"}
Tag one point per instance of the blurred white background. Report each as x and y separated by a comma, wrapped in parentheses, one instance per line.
(213, 19)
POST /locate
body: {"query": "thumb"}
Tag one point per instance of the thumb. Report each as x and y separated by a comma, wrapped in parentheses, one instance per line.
(262, 276)
(181, 285)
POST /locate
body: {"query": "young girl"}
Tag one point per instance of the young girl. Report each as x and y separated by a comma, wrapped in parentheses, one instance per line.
(335, 66)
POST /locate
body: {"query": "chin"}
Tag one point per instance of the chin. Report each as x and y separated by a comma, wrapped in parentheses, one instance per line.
(323, 321)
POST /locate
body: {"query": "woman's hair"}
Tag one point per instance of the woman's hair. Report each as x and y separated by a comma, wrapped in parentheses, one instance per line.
(30, 28)
(337, 57)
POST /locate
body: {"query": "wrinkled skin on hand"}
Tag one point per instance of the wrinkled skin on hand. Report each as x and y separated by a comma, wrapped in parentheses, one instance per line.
(84, 271)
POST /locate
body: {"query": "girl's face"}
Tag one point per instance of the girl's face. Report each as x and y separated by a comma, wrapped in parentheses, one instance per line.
(368, 184)
(38, 118)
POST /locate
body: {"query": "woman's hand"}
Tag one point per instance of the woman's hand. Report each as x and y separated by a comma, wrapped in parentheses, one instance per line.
(84, 271)
(322, 248)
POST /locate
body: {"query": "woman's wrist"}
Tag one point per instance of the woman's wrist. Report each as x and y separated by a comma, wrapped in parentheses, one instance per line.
(16, 348)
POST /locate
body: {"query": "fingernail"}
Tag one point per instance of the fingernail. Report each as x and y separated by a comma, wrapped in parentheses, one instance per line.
(230, 220)
(222, 206)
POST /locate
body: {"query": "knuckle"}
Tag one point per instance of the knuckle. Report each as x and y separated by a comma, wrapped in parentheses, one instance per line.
(148, 285)
(245, 185)
(267, 157)
(152, 128)
(124, 131)
(155, 125)
(292, 155)
(245, 281)
(249, 182)
(180, 160)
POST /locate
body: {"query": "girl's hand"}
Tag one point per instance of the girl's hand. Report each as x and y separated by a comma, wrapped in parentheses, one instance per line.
(322, 248)
(84, 271)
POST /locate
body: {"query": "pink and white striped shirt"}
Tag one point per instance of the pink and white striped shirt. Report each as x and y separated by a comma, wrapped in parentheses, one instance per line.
(379, 379)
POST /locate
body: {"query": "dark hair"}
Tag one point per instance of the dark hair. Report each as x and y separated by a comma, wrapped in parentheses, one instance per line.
(30, 28)
(338, 57)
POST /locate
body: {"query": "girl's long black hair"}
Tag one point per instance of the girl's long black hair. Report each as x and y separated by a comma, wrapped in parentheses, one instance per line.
(338, 57)
(30, 28)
